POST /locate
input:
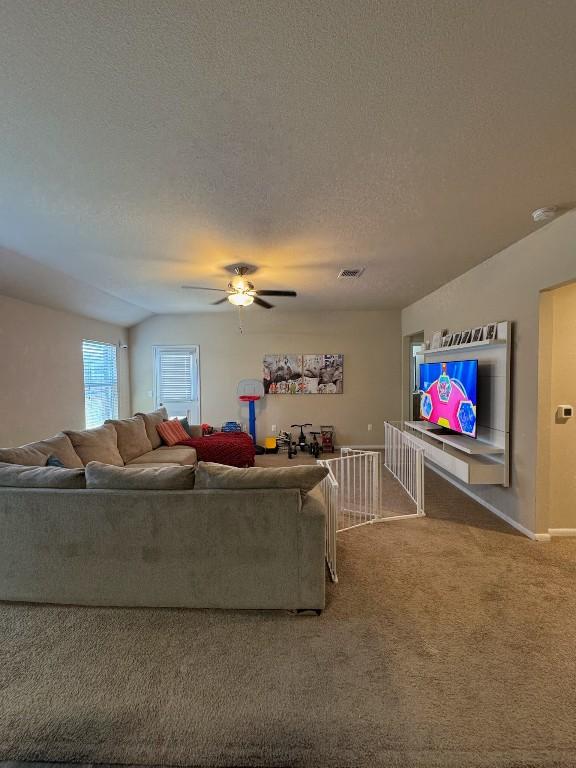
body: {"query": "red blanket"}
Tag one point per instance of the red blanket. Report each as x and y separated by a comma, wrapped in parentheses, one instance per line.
(233, 448)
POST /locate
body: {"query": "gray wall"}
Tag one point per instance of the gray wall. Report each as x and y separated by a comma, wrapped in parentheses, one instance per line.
(42, 381)
(507, 287)
(370, 342)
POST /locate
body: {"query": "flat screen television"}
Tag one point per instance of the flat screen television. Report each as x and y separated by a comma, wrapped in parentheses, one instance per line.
(448, 395)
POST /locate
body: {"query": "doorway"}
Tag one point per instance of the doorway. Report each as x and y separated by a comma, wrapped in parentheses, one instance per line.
(413, 357)
(556, 479)
(177, 381)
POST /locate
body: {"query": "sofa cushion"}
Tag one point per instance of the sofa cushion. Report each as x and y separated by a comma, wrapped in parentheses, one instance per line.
(151, 420)
(19, 476)
(178, 454)
(193, 430)
(99, 444)
(27, 455)
(219, 476)
(139, 478)
(61, 447)
(172, 432)
(132, 437)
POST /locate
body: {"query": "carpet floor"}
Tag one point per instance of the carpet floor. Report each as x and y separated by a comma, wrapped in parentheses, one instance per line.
(449, 641)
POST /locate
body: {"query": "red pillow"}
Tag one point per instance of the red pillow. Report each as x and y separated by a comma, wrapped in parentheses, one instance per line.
(172, 432)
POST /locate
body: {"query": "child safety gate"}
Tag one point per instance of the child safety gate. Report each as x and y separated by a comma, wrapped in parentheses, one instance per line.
(352, 490)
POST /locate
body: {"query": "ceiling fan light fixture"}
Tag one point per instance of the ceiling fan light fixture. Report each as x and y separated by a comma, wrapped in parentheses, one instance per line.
(240, 299)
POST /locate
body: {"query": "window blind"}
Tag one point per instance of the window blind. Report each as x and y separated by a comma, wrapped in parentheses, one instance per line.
(100, 382)
(176, 375)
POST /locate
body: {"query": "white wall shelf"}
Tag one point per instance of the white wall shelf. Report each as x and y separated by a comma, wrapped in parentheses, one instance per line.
(484, 460)
(460, 347)
(460, 442)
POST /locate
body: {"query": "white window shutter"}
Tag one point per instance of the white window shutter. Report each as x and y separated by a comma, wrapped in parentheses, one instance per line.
(100, 382)
(176, 376)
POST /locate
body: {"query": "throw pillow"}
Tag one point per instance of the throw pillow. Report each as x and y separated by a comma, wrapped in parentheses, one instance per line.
(151, 420)
(132, 437)
(27, 455)
(193, 430)
(60, 447)
(54, 461)
(172, 432)
(143, 478)
(219, 476)
(99, 444)
(18, 476)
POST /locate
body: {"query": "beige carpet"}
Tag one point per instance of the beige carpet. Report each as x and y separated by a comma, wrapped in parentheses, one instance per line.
(449, 641)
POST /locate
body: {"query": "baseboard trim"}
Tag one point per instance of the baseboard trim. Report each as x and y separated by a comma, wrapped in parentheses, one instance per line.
(364, 447)
(562, 531)
(491, 508)
(545, 537)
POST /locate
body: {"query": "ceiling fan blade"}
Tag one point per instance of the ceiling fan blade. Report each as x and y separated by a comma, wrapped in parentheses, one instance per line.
(275, 293)
(262, 303)
(220, 301)
(203, 288)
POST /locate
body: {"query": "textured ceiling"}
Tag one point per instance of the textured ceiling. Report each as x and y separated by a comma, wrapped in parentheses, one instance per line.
(147, 144)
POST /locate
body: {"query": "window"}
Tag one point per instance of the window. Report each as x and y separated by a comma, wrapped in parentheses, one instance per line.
(100, 382)
(176, 381)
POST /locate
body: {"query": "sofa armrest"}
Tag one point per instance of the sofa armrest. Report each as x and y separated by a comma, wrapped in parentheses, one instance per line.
(312, 538)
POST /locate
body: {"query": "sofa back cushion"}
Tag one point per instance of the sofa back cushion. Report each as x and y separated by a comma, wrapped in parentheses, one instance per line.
(132, 437)
(27, 455)
(19, 476)
(139, 478)
(193, 430)
(172, 432)
(219, 476)
(61, 447)
(99, 444)
(151, 421)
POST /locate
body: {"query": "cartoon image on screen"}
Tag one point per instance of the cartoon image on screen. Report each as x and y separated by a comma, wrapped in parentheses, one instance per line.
(448, 395)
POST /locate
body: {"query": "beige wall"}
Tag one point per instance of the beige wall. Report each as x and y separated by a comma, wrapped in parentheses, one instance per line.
(557, 380)
(370, 342)
(507, 287)
(41, 382)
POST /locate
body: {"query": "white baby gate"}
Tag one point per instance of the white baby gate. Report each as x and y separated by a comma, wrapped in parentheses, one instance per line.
(352, 488)
(404, 458)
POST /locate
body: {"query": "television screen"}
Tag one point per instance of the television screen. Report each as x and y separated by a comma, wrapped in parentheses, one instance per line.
(448, 394)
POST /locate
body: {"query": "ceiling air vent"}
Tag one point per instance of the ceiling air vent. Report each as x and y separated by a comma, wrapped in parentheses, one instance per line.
(350, 273)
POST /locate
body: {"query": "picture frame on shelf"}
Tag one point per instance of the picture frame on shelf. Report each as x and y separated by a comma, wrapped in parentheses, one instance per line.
(456, 339)
(477, 333)
(437, 337)
(446, 340)
(491, 331)
(466, 337)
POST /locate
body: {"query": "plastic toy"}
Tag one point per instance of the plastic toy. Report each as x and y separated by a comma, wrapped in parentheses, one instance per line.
(270, 445)
(248, 391)
(327, 437)
(284, 443)
(231, 426)
(315, 445)
(302, 437)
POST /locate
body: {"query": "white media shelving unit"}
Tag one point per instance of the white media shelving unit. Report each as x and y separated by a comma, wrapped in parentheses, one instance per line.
(483, 460)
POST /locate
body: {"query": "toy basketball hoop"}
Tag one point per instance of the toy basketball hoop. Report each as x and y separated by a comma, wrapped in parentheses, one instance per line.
(248, 391)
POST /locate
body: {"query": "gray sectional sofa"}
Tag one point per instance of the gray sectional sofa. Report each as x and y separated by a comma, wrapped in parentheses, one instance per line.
(121, 442)
(249, 538)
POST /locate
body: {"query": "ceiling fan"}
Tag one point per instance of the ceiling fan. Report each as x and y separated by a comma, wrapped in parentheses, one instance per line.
(241, 292)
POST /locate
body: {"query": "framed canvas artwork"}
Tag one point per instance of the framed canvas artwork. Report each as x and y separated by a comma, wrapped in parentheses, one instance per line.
(323, 374)
(282, 374)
